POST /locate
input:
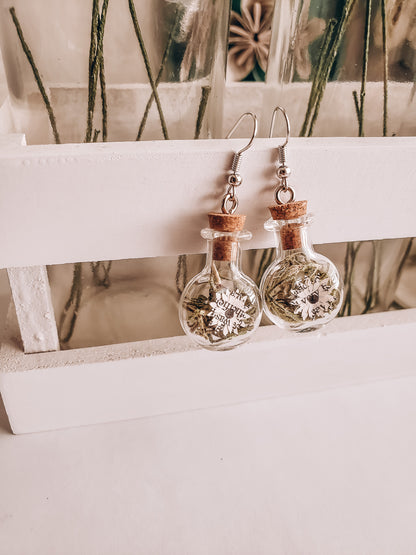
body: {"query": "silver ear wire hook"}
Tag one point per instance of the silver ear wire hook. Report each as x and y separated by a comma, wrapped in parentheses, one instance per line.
(237, 156)
(283, 171)
(235, 179)
(287, 125)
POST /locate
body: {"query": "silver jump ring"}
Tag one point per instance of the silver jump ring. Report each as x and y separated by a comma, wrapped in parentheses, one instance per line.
(234, 204)
(284, 190)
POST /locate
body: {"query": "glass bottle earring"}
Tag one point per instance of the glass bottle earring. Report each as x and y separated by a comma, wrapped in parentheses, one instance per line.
(220, 307)
(301, 289)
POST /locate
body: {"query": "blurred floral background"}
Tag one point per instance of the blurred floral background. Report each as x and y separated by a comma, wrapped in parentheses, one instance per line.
(249, 40)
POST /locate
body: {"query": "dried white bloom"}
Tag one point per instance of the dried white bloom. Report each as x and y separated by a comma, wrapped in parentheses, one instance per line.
(313, 299)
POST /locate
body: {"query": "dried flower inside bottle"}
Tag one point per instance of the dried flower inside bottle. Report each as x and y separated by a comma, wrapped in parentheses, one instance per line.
(301, 289)
(220, 307)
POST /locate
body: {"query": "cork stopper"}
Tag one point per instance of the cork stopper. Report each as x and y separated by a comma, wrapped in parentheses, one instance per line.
(289, 211)
(226, 222)
(225, 248)
(290, 234)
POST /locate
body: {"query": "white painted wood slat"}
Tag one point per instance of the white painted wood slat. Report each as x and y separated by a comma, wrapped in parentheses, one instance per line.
(67, 203)
(33, 304)
(70, 203)
(87, 386)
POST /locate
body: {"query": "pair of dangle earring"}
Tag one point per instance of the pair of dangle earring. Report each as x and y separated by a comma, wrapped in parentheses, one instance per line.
(301, 290)
(220, 307)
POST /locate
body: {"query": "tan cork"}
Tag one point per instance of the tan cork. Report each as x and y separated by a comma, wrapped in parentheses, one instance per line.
(290, 234)
(289, 211)
(226, 222)
(226, 247)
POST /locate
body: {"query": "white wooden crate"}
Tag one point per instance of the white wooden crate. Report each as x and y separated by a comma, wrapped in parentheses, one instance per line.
(153, 198)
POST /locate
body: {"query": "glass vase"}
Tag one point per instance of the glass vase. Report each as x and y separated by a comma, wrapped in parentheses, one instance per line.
(348, 68)
(115, 70)
(344, 67)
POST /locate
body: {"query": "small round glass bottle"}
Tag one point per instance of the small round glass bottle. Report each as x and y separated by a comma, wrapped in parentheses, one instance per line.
(301, 290)
(220, 307)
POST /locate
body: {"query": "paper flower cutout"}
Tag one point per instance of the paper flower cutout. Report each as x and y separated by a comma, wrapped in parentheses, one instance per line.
(249, 38)
(228, 312)
(313, 299)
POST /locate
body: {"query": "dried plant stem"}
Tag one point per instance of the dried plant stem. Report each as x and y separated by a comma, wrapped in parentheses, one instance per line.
(101, 273)
(74, 301)
(92, 55)
(359, 105)
(148, 68)
(93, 35)
(385, 66)
(329, 51)
(103, 100)
(95, 57)
(199, 316)
(159, 77)
(349, 267)
(370, 297)
(205, 92)
(36, 74)
(182, 271)
(317, 76)
(181, 274)
(356, 104)
(95, 72)
(287, 274)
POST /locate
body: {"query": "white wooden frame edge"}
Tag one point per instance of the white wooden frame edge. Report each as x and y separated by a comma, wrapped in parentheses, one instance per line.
(88, 386)
(353, 190)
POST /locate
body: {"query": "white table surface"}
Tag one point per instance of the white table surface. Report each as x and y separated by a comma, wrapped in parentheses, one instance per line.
(324, 473)
(327, 473)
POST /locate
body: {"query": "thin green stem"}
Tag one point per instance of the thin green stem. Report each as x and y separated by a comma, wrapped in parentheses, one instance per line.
(317, 74)
(349, 265)
(103, 99)
(101, 273)
(181, 273)
(159, 77)
(97, 39)
(328, 60)
(366, 48)
(93, 35)
(321, 85)
(337, 36)
(205, 92)
(36, 74)
(148, 68)
(356, 104)
(74, 302)
(92, 54)
(369, 293)
(346, 277)
(385, 66)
